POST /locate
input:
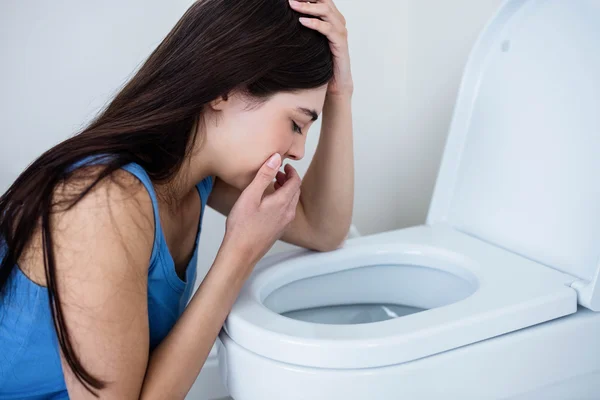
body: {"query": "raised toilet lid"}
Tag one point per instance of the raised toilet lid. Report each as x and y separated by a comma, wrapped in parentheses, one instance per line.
(518, 195)
(521, 167)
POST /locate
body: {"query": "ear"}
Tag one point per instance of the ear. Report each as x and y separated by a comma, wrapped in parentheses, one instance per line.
(220, 102)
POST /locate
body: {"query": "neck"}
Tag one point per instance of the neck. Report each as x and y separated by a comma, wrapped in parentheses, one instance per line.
(196, 167)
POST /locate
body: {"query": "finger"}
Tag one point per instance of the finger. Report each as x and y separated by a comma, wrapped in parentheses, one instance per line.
(336, 10)
(316, 9)
(264, 176)
(288, 168)
(325, 9)
(290, 172)
(276, 185)
(281, 178)
(323, 27)
(295, 199)
(291, 184)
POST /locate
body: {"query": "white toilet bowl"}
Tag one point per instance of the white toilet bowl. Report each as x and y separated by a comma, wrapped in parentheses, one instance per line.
(497, 296)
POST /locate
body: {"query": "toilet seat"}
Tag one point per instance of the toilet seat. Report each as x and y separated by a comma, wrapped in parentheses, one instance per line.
(510, 293)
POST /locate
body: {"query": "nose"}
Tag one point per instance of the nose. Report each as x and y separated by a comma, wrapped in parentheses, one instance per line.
(296, 152)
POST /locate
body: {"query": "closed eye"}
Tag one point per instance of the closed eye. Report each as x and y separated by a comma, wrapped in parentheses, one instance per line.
(296, 128)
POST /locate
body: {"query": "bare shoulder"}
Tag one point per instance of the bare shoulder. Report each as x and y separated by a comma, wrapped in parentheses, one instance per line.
(102, 246)
(115, 215)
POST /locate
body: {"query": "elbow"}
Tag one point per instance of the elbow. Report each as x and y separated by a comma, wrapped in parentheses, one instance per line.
(331, 240)
(326, 246)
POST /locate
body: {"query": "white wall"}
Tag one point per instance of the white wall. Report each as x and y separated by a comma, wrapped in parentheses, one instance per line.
(61, 60)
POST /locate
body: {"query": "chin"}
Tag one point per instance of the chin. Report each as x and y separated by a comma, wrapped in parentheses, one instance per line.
(241, 182)
(244, 183)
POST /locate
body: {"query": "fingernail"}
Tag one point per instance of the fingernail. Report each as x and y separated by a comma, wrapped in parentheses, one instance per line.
(274, 161)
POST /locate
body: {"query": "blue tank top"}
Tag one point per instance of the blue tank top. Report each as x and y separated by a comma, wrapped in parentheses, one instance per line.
(30, 366)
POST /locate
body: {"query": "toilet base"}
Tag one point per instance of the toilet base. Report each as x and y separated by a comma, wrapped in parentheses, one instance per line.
(553, 360)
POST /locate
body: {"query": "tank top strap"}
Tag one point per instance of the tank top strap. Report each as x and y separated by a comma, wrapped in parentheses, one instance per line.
(141, 174)
(204, 188)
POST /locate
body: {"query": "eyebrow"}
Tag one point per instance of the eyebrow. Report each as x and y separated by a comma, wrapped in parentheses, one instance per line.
(311, 113)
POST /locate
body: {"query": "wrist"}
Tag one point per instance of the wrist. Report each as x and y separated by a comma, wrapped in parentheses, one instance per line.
(235, 255)
(340, 96)
(231, 251)
(342, 92)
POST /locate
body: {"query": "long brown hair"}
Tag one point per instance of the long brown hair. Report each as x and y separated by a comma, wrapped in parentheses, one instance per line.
(217, 46)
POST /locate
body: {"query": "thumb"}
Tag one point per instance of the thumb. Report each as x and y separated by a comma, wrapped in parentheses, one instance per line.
(266, 174)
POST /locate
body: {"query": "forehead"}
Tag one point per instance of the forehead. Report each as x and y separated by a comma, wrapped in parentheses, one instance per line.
(307, 98)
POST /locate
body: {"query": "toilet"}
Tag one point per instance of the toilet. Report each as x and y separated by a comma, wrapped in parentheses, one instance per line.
(497, 296)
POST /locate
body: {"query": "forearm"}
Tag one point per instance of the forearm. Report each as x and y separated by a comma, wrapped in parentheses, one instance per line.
(175, 364)
(328, 187)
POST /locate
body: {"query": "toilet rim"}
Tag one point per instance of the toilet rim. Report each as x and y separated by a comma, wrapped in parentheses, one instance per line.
(500, 303)
(251, 310)
(267, 280)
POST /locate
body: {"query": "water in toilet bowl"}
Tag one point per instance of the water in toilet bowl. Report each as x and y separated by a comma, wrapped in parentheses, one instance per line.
(366, 294)
(352, 314)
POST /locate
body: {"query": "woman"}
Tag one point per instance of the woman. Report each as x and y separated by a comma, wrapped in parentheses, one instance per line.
(98, 237)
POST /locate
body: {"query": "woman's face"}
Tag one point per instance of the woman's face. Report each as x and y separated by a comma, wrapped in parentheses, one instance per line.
(242, 136)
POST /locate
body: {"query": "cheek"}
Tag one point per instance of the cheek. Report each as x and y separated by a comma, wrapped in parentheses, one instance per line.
(273, 139)
(255, 143)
